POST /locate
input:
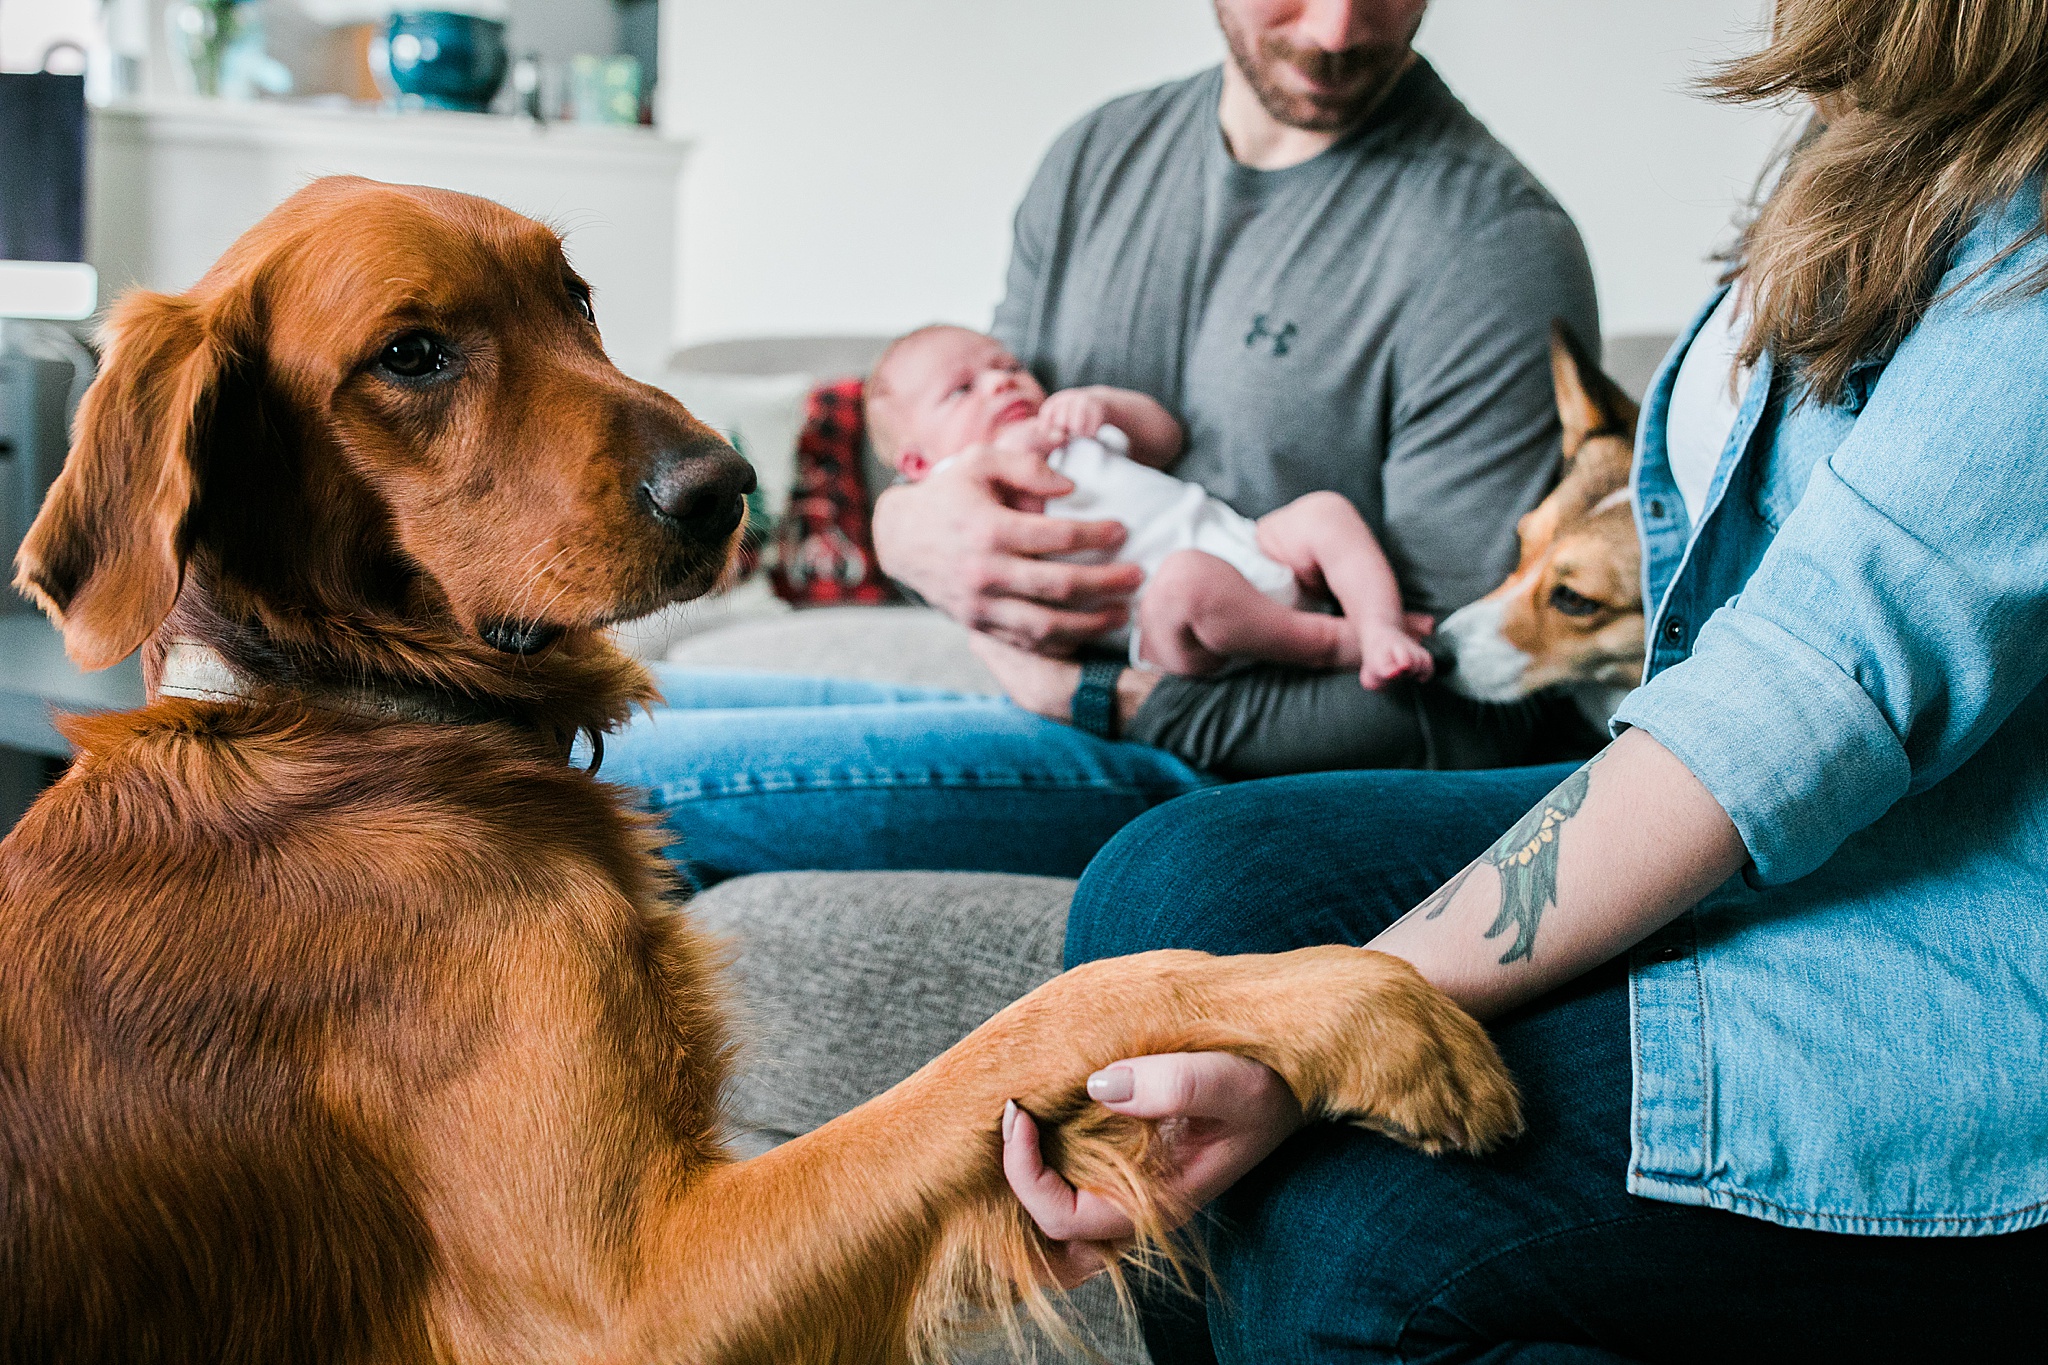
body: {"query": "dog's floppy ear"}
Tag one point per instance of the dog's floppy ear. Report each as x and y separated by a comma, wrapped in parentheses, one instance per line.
(1587, 400)
(107, 552)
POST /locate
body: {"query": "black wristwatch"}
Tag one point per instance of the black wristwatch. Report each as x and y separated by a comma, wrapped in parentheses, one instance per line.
(1095, 698)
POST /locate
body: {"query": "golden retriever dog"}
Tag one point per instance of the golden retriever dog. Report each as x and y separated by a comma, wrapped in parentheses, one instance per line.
(341, 1019)
(1571, 615)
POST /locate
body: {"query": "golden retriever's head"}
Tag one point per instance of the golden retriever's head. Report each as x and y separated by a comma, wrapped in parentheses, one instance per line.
(381, 435)
(1572, 613)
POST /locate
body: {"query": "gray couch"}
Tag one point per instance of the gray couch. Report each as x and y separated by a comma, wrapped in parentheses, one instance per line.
(839, 991)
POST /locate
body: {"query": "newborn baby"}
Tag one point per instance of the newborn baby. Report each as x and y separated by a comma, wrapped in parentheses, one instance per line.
(1218, 586)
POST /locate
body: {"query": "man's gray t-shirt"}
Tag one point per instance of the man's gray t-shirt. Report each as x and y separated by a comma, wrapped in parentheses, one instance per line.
(1373, 321)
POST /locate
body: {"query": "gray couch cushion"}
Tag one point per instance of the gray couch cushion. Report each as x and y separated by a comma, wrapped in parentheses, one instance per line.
(914, 645)
(841, 988)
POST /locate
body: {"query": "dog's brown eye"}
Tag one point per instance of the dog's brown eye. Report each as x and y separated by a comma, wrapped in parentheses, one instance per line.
(1571, 603)
(580, 296)
(414, 356)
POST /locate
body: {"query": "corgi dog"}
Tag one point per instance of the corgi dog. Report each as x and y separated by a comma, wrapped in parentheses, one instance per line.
(1571, 615)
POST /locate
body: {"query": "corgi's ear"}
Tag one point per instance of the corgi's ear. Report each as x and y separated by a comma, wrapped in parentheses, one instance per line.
(106, 554)
(1587, 400)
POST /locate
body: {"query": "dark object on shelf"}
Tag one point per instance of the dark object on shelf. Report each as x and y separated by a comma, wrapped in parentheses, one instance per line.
(42, 167)
(446, 61)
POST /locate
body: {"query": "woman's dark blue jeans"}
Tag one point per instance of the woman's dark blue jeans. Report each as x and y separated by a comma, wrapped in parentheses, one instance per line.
(1344, 1246)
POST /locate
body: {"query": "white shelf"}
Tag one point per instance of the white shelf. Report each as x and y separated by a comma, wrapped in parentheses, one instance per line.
(285, 125)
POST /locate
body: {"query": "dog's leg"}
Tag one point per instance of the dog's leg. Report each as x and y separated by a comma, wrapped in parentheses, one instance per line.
(856, 1242)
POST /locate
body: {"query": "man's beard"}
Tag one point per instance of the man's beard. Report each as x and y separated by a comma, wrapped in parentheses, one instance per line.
(1349, 82)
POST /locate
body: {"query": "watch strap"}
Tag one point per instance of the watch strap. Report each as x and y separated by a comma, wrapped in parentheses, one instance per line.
(1095, 698)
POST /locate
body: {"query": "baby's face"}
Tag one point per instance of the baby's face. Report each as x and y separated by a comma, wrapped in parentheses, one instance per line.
(953, 389)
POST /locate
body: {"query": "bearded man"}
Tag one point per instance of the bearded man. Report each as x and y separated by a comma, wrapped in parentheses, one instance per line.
(1338, 279)
(1335, 278)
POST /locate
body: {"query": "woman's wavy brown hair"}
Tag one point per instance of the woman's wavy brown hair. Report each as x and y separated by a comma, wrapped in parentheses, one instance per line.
(1929, 110)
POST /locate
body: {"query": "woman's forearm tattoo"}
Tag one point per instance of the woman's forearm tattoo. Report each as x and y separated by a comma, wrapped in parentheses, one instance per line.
(1526, 860)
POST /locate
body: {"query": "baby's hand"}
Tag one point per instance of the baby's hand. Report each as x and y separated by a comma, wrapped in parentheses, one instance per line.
(1073, 412)
(1035, 436)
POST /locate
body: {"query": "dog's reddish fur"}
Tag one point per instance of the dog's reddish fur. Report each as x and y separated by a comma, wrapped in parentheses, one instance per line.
(331, 1037)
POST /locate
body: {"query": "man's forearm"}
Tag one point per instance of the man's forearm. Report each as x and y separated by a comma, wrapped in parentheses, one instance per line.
(1620, 848)
(1046, 686)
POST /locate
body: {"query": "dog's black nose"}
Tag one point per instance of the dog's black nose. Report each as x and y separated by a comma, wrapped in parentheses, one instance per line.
(699, 491)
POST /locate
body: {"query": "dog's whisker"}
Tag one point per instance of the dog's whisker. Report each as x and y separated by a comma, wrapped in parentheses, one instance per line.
(541, 615)
(533, 582)
(519, 613)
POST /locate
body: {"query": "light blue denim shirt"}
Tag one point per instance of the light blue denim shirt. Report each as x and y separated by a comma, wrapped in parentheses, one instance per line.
(1850, 654)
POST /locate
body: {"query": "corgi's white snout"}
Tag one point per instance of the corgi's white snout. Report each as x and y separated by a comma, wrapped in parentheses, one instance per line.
(1489, 668)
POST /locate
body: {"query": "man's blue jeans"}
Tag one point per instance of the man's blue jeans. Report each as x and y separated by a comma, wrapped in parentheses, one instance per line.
(1344, 1246)
(758, 772)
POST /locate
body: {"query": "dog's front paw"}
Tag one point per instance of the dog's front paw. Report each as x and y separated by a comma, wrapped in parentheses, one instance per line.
(1408, 1062)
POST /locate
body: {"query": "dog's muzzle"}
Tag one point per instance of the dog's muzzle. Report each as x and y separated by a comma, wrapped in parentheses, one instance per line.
(1488, 667)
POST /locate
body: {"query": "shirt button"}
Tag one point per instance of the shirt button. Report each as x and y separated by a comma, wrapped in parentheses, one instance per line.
(1674, 631)
(1657, 507)
(1670, 952)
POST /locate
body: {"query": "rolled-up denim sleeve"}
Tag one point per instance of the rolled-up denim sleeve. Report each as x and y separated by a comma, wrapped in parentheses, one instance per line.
(1901, 612)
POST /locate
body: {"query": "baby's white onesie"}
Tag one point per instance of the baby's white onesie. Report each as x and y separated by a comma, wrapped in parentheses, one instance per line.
(1162, 514)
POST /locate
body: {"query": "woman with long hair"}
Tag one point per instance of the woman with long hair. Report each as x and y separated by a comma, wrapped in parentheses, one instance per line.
(1772, 969)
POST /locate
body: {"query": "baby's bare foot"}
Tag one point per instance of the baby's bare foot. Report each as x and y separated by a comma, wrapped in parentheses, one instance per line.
(1387, 653)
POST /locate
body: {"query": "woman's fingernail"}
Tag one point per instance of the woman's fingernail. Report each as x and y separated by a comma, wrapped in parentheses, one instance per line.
(1009, 1118)
(1111, 1085)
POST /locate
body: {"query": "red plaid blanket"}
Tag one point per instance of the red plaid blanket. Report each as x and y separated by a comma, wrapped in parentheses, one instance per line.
(824, 547)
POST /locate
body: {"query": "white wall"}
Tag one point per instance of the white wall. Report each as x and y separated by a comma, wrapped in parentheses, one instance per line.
(1595, 96)
(28, 27)
(856, 163)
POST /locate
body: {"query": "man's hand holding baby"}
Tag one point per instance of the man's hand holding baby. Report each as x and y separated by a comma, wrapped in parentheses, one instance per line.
(961, 418)
(971, 540)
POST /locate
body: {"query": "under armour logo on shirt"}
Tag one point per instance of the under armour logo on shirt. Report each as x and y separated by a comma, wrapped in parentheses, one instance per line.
(1260, 332)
